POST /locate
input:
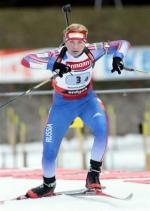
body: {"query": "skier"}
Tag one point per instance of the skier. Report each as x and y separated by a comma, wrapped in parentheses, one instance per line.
(74, 97)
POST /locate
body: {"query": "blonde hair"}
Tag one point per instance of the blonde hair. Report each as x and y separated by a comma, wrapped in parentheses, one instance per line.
(75, 27)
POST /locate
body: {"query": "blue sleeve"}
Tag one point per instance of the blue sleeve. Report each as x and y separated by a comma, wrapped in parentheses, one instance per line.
(118, 54)
(50, 63)
(117, 48)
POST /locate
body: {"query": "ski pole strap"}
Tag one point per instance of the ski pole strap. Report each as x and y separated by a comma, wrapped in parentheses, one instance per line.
(61, 54)
(90, 55)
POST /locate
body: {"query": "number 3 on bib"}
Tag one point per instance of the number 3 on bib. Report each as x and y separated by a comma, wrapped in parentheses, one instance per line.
(78, 79)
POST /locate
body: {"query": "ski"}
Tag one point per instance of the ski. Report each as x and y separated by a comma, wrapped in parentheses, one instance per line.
(24, 197)
(100, 193)
(80, 193)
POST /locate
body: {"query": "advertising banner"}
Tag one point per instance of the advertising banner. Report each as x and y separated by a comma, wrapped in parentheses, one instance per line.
(11, 70)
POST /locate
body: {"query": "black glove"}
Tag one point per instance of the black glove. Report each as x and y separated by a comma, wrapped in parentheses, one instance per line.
(117, 65)
(61, 69)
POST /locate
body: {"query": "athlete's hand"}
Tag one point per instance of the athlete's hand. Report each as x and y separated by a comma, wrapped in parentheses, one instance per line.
(61, 69)
(117, 65)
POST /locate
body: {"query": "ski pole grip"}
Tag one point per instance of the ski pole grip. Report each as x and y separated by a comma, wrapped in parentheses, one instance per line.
(66, 8)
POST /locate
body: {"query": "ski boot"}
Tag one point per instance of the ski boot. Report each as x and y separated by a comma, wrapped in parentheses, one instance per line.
(92, 180)
(46, 189)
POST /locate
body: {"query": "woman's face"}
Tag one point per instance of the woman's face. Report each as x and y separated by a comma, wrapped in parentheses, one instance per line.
(75, 47)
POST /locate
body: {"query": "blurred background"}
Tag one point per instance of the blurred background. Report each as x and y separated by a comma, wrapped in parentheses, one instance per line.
(36, 26)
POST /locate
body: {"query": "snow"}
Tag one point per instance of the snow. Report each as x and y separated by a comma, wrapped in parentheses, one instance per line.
(125, 156)
(11, 187)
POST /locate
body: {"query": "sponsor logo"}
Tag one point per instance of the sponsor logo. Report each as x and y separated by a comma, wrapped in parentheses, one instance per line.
(83, 65)
(97, 114)
(49, 133)
(73, 92)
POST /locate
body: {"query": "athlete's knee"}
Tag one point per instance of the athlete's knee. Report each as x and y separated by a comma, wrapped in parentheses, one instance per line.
(100, 130)
(49, 154)
(100, 126)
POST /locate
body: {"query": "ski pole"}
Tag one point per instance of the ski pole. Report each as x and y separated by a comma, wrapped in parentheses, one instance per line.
(135, 70)
(66, 8)
(29, 90)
